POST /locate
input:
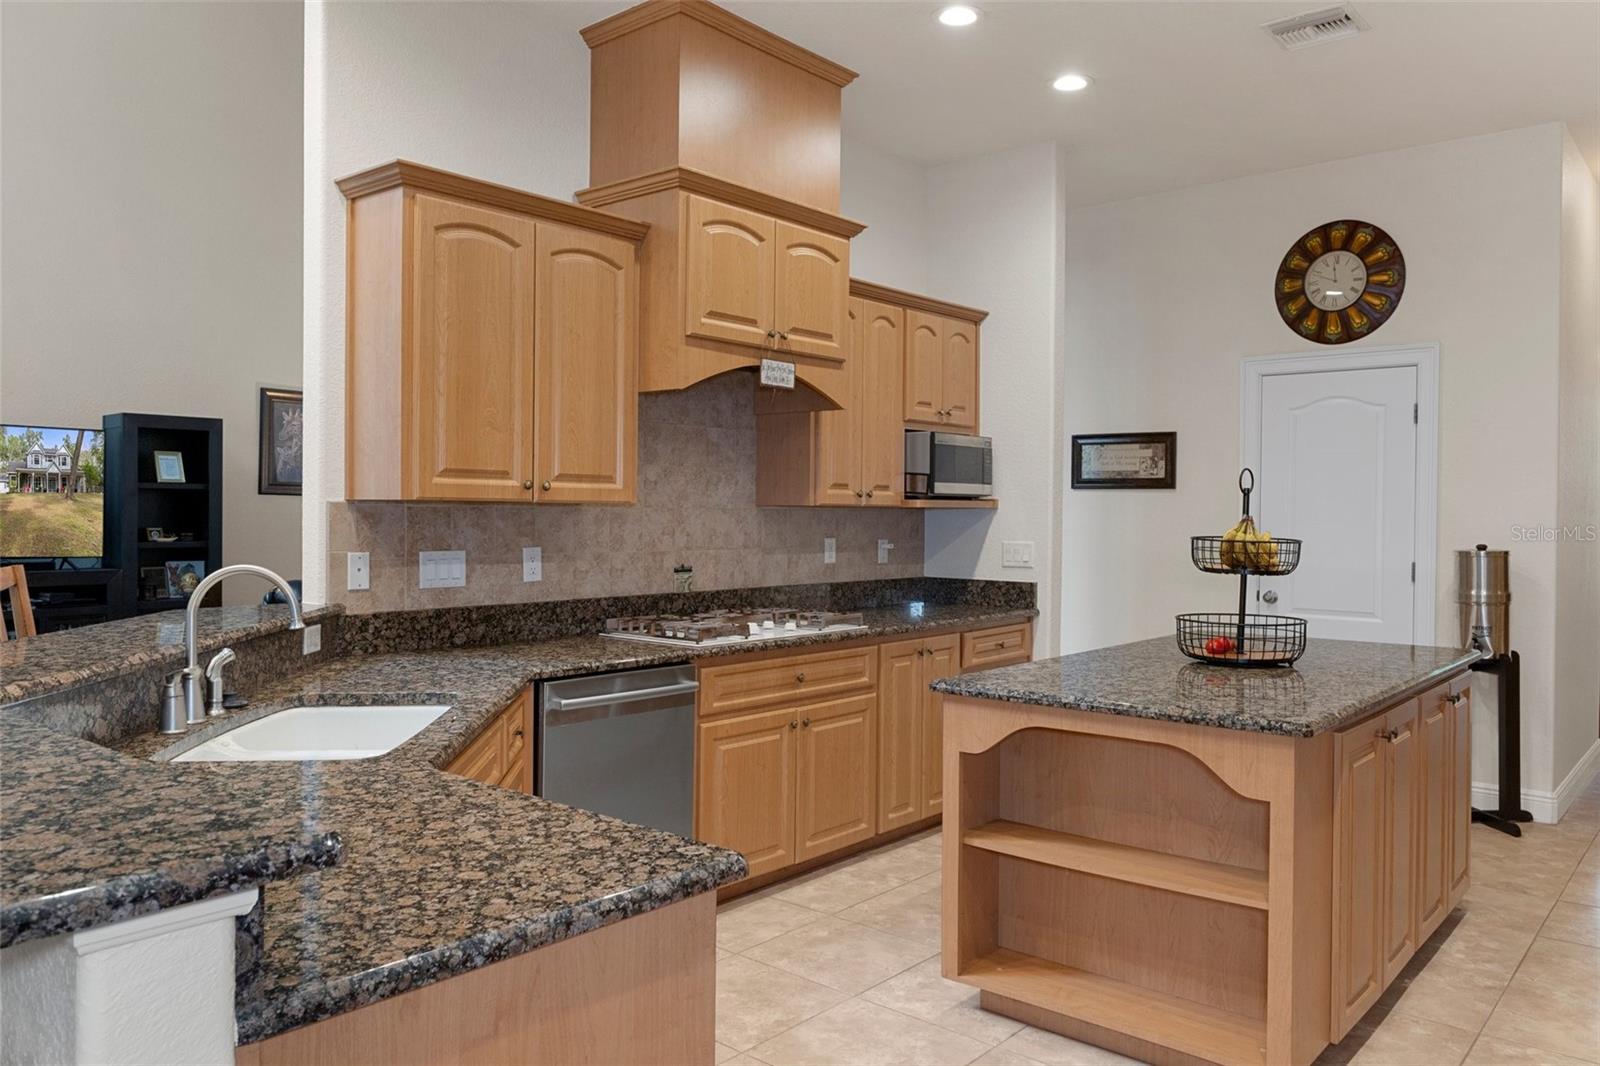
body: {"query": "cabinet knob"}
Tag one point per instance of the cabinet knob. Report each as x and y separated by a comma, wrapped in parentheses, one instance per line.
(546, 486)
(793, 724)
(806, 722)
(517, 732)
(527, 484)
(800, 676)
(869, 494)
(1453, 700)
(858, 494)
(771, 333)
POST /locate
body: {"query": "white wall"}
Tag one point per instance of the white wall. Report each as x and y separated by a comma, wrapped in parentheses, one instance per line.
(151, 212)
(1165, 294)
(1577, 683)
(497, 91)
(890, 195)
(994, 239)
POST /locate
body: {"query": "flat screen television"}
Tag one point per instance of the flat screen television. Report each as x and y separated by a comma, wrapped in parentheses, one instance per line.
(52, 495)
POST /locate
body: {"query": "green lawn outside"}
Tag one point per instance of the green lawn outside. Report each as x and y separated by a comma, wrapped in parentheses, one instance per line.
(43, 523)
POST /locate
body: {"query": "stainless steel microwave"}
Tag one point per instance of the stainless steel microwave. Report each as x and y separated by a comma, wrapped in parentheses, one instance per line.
(948, 464)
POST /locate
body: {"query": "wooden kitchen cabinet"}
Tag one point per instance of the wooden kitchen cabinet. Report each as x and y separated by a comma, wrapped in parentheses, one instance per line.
(501, 754)
(1435, 796)
(753, 279)
(745, 788)
(492, 343)
(586, 362)
(835, 775)
(1402, 812)
(1461, 805)
(941, 372)
(985, 649)
(911, 730)
(472, 401)
(847, 458)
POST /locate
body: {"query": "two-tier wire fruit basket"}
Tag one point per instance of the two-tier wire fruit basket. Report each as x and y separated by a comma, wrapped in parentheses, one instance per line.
(1240, 638)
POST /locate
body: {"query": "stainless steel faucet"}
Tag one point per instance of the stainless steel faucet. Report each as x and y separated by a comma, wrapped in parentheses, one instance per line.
(189, 680)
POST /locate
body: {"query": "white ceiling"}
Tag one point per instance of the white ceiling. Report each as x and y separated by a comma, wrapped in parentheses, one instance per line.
(1193, 92)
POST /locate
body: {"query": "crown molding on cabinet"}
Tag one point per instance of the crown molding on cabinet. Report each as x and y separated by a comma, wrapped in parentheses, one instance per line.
(720, 189)
(725, 21)
(416, 176)
(868, 290)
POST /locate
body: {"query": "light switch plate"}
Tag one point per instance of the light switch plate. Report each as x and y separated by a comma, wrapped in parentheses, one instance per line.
(310, 640)
(358, 571)
(883, 551)
(1016, 553)
(441, 570)
(533, 564)
(830, 550)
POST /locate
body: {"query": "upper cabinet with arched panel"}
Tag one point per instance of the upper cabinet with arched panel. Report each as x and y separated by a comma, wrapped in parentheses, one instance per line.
(492, 343)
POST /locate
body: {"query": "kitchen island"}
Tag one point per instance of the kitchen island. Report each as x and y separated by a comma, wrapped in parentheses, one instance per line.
(1191, 863)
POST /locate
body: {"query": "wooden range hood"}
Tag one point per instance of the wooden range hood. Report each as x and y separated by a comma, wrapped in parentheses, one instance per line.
(725, 139)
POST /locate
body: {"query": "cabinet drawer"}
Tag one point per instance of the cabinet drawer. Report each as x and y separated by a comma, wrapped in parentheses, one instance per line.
(743, 686)
(1000, 646)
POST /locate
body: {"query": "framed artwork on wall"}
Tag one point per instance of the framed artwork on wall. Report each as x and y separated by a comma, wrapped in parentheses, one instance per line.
(1125, 461)
(282, 442)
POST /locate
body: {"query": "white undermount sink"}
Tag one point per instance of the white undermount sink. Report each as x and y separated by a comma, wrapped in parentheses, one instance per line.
(298, 734)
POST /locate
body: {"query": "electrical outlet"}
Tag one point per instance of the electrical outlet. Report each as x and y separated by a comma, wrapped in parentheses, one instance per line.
(358, 571)
(1016, 553)
(441, 570)
(883, 551)
(310, 640)
(830, 550)
(532, 564)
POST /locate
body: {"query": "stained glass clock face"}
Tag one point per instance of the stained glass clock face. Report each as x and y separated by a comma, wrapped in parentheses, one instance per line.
(1340, 282)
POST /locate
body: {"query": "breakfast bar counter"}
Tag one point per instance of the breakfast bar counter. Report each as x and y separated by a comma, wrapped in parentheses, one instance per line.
(1194, 863)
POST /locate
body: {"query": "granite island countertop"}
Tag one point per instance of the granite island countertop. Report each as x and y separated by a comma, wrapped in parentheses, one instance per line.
(1336, 681)
(435, 874)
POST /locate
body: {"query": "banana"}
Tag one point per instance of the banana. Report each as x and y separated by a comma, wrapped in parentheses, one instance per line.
(1235, 543)
(1261, 551)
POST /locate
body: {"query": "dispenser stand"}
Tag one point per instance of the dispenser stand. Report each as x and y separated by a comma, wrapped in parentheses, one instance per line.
(1507, 668)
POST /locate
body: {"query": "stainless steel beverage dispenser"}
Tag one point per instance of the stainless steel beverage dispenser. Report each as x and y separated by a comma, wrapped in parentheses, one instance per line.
(1483, 591)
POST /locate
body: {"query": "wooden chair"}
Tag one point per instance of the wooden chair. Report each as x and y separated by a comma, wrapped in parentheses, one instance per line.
(14, 579)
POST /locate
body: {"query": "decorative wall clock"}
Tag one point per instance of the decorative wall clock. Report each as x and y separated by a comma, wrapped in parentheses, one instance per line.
(1340, 282)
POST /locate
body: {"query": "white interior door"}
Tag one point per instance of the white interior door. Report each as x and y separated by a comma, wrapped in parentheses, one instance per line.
(1338, 470)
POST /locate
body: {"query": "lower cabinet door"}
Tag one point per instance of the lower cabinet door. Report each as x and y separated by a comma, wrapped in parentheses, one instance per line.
(836, 775)
(1437, 794)
(899, 734)
(745, 787)
(1461, 799)
(1359, 893)
(943, 660)
(1402, 824)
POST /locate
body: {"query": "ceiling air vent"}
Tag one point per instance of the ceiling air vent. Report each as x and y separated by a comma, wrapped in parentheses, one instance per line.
(1316, 27)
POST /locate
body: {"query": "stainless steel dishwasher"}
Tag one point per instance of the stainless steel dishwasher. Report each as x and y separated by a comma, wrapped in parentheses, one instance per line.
(621, 744)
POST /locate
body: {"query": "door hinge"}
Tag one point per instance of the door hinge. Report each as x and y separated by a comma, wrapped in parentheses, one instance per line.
(1415, 414)
(1413, 573)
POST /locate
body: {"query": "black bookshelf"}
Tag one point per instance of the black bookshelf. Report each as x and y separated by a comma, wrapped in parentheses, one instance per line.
(137, 500)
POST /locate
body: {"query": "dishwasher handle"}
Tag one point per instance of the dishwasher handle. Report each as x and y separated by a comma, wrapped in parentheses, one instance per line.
(578, 703)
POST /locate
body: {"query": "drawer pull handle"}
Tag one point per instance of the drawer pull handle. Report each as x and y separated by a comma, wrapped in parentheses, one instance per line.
(800, 677)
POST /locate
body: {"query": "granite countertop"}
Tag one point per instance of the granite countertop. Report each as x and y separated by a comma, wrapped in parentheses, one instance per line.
(75, 656)
(1336, 681)
(435, 874)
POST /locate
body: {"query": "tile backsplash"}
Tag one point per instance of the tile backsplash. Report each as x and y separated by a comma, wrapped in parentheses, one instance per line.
(697, 469)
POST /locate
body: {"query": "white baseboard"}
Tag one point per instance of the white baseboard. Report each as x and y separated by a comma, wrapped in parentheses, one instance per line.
(1546, 807)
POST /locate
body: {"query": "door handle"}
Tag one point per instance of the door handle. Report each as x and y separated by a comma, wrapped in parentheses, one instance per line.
(1270, 596)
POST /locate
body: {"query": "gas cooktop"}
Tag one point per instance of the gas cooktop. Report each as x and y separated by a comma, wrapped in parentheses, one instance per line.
(732, 626)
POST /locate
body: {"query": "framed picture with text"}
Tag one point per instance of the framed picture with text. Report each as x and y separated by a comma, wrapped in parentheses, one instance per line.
(1125, 461)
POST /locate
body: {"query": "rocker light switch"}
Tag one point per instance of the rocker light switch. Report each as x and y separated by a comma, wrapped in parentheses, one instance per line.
(441, 570)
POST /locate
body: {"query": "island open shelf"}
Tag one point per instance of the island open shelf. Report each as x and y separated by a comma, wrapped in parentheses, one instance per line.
(1110, 875)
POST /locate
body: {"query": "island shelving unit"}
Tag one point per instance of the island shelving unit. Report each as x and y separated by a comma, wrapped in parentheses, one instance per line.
(1205, 874)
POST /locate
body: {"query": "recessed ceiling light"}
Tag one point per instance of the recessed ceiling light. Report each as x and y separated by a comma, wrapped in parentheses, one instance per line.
(958, 15)
(1070, 83)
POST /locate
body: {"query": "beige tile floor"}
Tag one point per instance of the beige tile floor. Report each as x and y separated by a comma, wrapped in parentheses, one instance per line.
(842, 966)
